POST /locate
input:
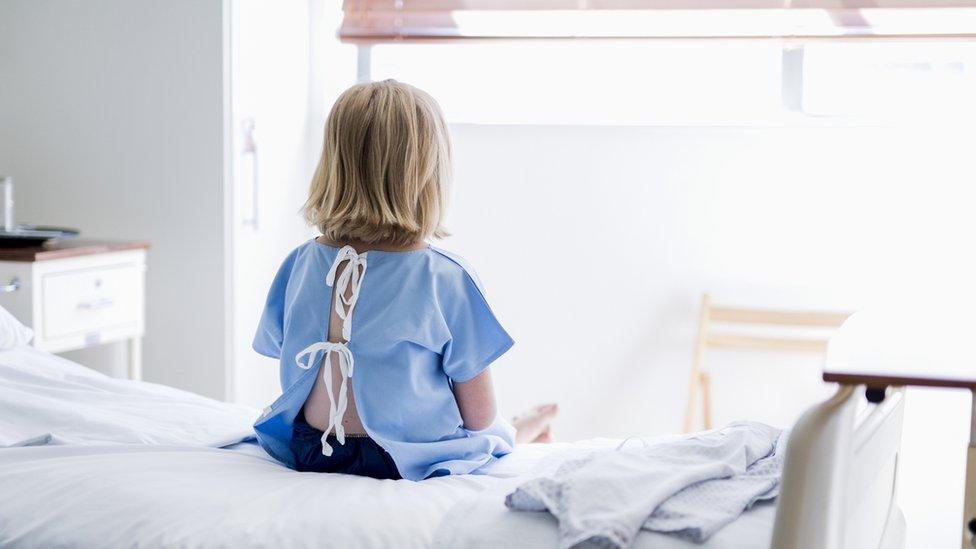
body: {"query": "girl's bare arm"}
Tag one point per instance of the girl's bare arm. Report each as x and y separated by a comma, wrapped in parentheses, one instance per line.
(476, 401)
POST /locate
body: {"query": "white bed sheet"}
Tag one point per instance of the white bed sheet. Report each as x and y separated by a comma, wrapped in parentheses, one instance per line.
(156, 496)
(116, 463)
(127, 495)
(46, 399)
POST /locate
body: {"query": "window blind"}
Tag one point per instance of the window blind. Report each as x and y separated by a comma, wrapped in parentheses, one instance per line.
(373, 21)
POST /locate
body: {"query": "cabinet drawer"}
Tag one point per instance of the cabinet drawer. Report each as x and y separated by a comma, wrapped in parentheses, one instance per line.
(78, 302)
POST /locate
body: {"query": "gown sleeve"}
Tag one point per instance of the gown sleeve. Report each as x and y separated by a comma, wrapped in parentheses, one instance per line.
(270, 332)
(476, 337)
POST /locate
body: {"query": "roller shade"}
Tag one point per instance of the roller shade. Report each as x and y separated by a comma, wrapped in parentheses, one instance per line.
(372, 21)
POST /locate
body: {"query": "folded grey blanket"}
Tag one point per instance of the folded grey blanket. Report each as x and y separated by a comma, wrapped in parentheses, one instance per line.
(689, 487)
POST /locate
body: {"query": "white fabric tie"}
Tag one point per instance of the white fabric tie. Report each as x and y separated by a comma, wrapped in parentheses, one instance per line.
(350, 281)
(336, 409)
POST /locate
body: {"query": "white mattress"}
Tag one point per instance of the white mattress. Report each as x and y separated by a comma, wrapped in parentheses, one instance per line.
(123, 495)
(120, 496)
(95, 462)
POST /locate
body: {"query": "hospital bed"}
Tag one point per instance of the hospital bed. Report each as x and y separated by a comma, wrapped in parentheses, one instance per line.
(100, 462)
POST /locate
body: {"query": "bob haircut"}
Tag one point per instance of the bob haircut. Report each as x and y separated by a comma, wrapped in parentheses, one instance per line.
(385, 172)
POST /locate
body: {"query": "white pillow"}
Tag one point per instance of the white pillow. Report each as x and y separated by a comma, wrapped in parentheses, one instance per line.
(12, 332)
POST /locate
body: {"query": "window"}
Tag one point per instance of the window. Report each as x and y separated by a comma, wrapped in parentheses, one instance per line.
(689, 82)
(591, 81)
(897, 81)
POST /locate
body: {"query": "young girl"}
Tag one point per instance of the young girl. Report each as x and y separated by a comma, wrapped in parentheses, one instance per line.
(384, 341)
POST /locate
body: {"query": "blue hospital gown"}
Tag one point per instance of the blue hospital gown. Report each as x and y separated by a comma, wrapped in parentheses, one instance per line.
(421, 322)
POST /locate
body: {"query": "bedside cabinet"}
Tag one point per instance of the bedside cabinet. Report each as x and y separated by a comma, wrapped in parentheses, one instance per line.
(77, 293)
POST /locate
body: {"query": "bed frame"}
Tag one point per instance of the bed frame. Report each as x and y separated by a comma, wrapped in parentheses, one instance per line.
(839, 477)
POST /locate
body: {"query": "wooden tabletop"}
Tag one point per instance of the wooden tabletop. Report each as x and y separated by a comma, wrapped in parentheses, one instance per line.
(72, 247)
(896, 379)
(878, 348)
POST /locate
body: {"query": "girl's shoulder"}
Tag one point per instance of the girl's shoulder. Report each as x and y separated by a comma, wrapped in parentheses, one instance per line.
(457, 267)
(452, 259)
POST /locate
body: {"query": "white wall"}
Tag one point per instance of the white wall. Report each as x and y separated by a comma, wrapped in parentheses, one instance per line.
(111, 121)
(269, 79)
(595, 244)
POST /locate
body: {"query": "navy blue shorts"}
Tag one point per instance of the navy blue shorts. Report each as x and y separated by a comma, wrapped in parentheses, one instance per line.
(360, 455)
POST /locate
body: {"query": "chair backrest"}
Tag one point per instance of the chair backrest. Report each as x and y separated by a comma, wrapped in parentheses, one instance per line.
(731, 316)
(754, 329)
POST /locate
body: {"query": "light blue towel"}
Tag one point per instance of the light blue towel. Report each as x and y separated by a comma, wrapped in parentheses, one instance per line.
(700, 510)
(689, 487)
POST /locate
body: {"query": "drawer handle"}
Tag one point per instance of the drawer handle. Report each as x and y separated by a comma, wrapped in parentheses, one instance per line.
(97, 304)
(10, 287)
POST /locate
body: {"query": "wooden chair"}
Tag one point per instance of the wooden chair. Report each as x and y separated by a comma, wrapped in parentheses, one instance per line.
(708, 338)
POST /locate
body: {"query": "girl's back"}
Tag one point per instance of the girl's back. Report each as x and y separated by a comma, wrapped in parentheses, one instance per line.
(419, 323)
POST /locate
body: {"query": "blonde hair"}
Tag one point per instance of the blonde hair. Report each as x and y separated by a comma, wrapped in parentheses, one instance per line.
(385, 171)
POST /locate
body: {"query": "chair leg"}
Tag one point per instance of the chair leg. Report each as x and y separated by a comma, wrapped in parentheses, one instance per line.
(698, 356)
(706, 389)
(692, 400)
